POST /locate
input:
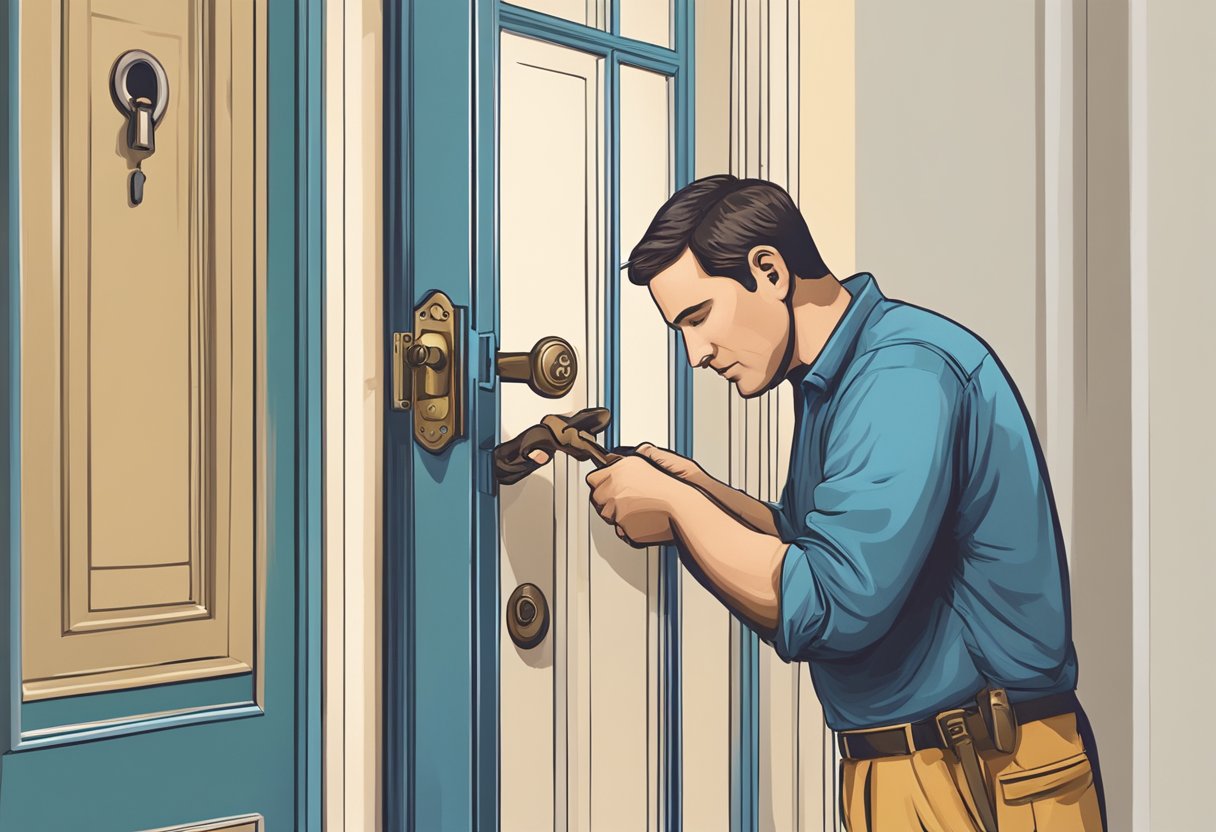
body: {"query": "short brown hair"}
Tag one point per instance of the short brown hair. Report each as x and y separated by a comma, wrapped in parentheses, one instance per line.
(721, 218)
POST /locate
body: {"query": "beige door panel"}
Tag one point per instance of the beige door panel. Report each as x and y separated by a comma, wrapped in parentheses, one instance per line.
(139, 347)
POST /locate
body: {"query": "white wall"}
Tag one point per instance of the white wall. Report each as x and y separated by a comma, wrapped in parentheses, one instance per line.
(982, 195)
(1181, 218)
(947, 165)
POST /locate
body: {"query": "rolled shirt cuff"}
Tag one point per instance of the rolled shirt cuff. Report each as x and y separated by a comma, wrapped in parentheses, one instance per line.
(798, 607)
(784, 530)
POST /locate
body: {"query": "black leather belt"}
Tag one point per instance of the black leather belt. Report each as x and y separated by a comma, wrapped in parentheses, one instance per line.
(891, 740)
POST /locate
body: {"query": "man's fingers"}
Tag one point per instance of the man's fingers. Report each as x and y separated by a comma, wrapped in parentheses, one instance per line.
(538, 456)
(608, 511)
(597, 476)
(647, 450)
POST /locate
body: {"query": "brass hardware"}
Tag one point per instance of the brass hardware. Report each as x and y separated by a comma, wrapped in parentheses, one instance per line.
(428, 372)
(140, 129)
(527, 616)
(550, 368)
(140, 88)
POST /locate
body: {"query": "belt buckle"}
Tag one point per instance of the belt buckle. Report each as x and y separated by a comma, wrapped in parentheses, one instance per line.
(952, 725)
(906, 726)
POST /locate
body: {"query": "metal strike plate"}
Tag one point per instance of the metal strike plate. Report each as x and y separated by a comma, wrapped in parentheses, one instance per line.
(429, 372)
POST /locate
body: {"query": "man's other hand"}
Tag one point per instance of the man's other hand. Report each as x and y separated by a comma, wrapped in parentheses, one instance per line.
(635, 496)
(680, 467)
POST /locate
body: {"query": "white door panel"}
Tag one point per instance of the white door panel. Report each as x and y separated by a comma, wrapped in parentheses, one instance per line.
(580, 741)
(550, 210)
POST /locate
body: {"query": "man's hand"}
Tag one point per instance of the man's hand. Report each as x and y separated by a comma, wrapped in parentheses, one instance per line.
(636, 497)
(680, 467)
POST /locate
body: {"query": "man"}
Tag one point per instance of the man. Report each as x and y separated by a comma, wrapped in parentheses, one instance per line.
(915, 560)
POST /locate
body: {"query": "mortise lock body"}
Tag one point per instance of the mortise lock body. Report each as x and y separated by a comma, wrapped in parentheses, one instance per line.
(428, 372)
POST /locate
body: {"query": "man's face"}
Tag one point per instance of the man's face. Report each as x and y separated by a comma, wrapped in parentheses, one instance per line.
(738, 333)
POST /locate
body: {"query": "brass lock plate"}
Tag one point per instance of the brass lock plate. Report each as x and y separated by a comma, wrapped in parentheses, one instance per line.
(429, 372)
(527, 616)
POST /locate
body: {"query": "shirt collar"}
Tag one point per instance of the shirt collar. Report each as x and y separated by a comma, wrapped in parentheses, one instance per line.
(827, 366)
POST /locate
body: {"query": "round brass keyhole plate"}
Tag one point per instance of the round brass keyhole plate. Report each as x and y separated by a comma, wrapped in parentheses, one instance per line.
(527, 616)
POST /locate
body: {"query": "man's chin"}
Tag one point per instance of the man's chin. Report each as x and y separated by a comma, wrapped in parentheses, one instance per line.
(750, 388)
(747, 389)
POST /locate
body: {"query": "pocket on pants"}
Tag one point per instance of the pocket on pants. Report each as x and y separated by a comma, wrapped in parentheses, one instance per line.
(1071, 773)
(1060, 795)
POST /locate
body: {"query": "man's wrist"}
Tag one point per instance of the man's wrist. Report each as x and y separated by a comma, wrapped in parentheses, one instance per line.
(681, 500)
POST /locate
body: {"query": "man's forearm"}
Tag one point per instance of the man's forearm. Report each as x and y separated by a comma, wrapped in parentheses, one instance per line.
(744, 565)
(749, 511)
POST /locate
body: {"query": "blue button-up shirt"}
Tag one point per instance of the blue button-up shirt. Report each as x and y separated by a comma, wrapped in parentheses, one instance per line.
(925, 558)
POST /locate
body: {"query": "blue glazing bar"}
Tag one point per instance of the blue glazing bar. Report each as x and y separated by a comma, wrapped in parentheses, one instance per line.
(684, 161)
(612, 318)
(745, 740)
(576, 36)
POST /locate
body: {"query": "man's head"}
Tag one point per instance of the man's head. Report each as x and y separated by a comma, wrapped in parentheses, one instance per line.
(720, 259)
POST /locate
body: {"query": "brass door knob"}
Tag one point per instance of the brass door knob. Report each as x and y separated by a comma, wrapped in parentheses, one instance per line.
(550, 368)
(527, 616)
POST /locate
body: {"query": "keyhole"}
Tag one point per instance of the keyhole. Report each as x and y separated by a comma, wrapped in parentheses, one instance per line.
(141, 82)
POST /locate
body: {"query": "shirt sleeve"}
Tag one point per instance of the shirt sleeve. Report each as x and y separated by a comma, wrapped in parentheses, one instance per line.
(784, 530)
(887, 478)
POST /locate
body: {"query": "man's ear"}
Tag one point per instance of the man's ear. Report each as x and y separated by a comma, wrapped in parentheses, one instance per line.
(769, 270)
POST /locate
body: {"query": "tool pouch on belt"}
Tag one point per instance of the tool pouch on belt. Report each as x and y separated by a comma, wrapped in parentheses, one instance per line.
(999, 718)
(954, 731)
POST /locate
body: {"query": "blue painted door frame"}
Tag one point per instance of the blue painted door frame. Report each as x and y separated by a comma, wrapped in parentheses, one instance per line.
(231, 755)
(441, 536)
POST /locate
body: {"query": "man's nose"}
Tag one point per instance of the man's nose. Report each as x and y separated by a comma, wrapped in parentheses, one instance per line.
(700, 353)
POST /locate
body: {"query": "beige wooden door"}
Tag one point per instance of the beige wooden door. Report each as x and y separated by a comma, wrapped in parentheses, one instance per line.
(138, 353)
(580, 712)
(158, 675)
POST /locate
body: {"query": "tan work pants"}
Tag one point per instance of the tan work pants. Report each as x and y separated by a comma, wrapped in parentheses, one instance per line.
(1045, 784)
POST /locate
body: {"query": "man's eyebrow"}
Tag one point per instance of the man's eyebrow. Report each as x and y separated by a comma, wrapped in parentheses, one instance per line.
(692, 310)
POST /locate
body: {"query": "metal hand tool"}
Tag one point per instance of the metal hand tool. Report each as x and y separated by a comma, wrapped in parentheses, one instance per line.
(574, 435)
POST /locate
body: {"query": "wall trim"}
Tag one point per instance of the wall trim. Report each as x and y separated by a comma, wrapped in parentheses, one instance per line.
(353, 404)
(1140, 383)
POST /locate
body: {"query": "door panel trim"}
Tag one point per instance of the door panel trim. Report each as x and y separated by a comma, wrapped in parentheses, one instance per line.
(239, 823)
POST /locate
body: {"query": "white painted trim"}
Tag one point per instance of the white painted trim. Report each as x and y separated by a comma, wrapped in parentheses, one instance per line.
(1059, 242)
(353, 414)
(1138, 82)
